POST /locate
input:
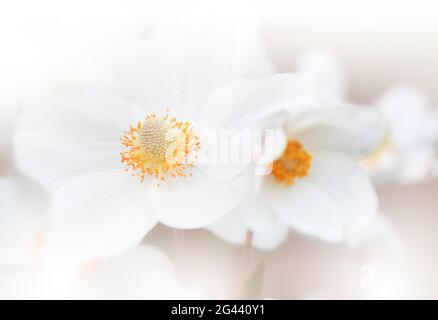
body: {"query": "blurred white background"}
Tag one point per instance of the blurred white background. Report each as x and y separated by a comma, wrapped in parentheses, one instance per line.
(379, 42)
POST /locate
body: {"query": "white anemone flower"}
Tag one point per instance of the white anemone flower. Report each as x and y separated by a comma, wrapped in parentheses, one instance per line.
(22, 203)
(141, 273)
(81, 145)
(316, 186)
(408, 152)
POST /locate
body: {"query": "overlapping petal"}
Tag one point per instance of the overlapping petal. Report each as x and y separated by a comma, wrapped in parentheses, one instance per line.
(22, 206)
(63, 137)
(198, 200)
(97, 215)
(351, 130)
(256, 216)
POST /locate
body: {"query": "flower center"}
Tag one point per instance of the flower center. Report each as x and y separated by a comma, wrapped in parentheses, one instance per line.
(294, 163)
(160, 147)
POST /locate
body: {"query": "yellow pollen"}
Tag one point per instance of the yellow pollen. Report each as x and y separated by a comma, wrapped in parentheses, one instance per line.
(159, 147)
(294, 163)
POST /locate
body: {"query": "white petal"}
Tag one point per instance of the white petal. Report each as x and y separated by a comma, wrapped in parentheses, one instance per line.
(334, 201)
(411, 124)
(259, 104)
(348, 184)
(186, 59)
(244, 103)
(27, 281)
(66, 136)
(21, 220)
(411, 137)
(142, 273)
(97, 215)
(253, 215)
(273, 146)
(415, 166)
(354, 131)
(269, 230)
(227, 154)
(222, 154)
(198, 200)
(306, 209)
(231, 228)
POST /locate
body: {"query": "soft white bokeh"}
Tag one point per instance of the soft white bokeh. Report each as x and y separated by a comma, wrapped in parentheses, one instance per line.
(409, 151)
(142, 273)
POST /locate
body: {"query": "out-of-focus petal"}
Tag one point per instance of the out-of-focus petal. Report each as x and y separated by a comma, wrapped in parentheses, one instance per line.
(411, 124)
(186, 58)
(97, 215)
(31, 282)
(67, 136)
(408, 153)
(22, 206)
(141, 273)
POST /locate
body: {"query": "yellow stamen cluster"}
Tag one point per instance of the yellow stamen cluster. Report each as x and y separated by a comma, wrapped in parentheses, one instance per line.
(294, 163)
(159, 147)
